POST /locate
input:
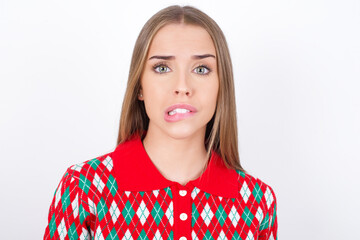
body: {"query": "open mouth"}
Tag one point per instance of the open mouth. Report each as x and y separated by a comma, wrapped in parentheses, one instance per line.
(178, 110)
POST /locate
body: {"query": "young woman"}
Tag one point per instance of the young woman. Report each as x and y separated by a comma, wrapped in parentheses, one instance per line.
(175, 173)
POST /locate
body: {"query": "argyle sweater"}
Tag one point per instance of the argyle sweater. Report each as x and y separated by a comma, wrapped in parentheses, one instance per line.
(122, 195)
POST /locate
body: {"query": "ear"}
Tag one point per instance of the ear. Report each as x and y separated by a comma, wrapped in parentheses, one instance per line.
(140, 95)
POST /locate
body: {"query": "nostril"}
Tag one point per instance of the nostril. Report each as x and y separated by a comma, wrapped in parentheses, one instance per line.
(184, 92)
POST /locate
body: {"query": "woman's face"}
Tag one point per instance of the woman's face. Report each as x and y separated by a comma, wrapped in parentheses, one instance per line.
(180, 69)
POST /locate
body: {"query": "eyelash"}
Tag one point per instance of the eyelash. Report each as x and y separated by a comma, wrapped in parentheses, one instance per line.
(165, 65)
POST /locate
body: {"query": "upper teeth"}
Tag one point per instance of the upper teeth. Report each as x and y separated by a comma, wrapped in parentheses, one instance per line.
(178, 110)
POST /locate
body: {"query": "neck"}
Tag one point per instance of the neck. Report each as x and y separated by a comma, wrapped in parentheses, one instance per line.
(177, 159)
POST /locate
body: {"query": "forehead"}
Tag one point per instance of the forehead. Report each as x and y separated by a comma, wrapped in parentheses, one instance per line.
(182, 38)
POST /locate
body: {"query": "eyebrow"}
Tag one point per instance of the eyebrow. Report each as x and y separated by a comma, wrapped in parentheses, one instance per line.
(173, 57)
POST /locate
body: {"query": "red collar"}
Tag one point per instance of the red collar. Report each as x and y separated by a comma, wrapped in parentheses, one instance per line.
(135, 171)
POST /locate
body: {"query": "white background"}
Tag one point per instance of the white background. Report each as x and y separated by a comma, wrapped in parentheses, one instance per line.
(64, 67)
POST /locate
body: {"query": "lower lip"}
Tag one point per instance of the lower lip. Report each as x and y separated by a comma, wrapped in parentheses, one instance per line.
(177, 116)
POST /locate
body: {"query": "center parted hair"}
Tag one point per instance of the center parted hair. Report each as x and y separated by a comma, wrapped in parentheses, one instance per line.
(221, 131)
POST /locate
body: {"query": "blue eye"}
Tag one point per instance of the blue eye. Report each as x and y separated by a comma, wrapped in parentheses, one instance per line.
(202, 70)
(161, 68)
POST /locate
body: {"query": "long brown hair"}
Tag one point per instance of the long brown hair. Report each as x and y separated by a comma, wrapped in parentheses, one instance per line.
(221, 131)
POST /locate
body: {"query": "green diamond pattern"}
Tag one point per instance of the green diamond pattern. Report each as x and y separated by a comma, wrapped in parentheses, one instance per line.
(168, 191)
(208, 235)
(247, 216)
(65, 199)
(112, 235)
(72, 232)
(171, 236)
(84, 183)
(274, 216)
(157, 213)
(258, 194)
(241, 173)
(207, 195)
(52, 225)
(142, 235)
(221, 215)
(195, 215)
(128, 212)
(112, 185)
(94, 163)
(265, 222)
(83, 214)
(101, 209)
(236, 236)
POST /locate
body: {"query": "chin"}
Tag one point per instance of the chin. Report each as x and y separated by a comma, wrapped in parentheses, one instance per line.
(183, 132)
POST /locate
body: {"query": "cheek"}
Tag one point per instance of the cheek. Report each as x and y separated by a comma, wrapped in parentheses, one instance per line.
(150, 110)
(211, 90)
(157, 89)
(153, 99)
(214, 94)
(208, 99)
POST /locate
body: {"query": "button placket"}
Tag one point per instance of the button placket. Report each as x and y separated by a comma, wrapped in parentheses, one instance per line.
(182, 212)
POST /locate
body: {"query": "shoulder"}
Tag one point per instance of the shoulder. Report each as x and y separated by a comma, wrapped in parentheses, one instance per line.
(96, 165)
(93, 173)
(253, 189)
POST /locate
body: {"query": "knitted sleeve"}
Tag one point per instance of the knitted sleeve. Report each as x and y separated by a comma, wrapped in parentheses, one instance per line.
(268, 226)
(68, 216)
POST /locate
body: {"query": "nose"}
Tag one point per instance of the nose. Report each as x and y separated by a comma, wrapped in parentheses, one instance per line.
(182, 87)
(182, 91)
